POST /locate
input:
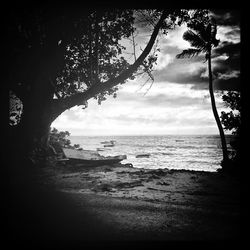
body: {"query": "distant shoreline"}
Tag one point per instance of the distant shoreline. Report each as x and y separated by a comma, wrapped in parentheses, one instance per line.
(194, 135)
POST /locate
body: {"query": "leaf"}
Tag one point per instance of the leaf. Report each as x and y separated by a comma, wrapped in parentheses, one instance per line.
(187, 53)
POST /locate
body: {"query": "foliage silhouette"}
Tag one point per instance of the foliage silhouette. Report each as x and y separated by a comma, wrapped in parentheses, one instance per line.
(232, 122)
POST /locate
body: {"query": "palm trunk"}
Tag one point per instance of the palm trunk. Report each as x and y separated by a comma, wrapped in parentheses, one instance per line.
(216, 116)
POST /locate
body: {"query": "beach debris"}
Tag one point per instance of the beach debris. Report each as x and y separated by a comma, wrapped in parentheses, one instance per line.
(91, 157)
(162, 183)
(142, 156)
(128, 165)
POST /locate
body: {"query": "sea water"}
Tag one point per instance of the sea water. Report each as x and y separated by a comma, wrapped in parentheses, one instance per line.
(192, 152)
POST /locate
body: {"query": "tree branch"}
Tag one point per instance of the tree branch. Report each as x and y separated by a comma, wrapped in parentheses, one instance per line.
(97, 88)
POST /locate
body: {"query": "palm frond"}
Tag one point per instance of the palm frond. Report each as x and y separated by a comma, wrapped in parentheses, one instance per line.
(200, 29)
(187, 53)
(194, 39)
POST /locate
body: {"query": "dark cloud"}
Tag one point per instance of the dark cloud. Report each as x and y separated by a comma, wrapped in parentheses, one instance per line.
(227, 84)
(232, 51)
(226, 17)
(179, 70)
(226, 59)
(227, 67)
(228, 48)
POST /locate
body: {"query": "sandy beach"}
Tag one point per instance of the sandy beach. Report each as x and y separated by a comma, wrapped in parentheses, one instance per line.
(119, 202)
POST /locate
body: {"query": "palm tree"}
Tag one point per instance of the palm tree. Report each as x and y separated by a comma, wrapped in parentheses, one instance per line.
(202, 38)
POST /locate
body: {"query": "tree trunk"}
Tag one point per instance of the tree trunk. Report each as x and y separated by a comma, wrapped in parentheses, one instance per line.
(29, 139)
(216, 116)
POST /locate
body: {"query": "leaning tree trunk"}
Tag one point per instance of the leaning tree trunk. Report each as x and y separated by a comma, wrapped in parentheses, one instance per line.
(216, 116)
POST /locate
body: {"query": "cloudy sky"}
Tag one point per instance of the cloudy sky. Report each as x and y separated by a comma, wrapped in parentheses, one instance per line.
(178, 101)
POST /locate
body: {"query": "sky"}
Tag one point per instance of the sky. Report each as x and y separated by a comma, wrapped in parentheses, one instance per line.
(178, 101)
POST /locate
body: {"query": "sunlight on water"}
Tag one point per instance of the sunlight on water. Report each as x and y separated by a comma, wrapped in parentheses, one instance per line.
(168, 151)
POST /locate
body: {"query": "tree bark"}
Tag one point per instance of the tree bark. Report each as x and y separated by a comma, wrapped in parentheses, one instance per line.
(216, 116)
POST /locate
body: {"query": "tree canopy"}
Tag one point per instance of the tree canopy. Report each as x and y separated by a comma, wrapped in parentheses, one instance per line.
(72, 49)
(58, 53)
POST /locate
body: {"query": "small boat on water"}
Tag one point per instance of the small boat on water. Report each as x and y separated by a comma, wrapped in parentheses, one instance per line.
(90, 157)
(100, 149)
(108, 143)
(105, 142)
(142, 156)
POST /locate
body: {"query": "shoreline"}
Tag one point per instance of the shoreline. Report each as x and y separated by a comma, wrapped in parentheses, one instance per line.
(125, 203)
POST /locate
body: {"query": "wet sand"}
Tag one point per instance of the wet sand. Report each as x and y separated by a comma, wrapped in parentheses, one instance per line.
(121, 203)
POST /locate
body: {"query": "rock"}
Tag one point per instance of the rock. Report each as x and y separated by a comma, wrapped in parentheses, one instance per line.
(129, 165)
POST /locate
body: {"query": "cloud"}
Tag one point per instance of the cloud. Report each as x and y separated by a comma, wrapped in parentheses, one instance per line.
(229, 75)
(230, 34)
(232, 84)
(167, 108)
(163, 60)
(226, 66)
(183, 71)
(174, 38)
(232, 53)
(177, 101)
(226, 17)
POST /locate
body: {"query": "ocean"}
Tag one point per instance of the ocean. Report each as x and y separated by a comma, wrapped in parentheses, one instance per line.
(192, 152)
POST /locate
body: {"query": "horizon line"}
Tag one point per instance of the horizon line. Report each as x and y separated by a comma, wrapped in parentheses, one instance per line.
(152, 135)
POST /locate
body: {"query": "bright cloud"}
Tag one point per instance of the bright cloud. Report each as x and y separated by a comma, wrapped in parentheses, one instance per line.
(166, 108)
(174, 38)
(163, 61)
(228, 33)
